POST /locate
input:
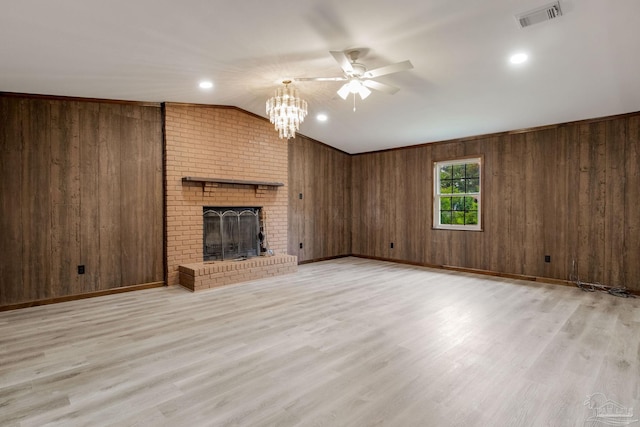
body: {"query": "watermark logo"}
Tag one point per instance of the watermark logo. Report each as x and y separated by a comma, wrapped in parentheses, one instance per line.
(606, 412)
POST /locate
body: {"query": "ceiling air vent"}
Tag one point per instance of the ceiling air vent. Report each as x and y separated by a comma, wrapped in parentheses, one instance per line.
(541, 14)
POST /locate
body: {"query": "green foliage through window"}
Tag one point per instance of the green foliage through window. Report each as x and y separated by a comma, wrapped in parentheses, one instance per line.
(458, 193)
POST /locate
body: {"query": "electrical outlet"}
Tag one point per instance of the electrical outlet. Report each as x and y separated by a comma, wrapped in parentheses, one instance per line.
(391, 245)
(81, 269)
(300, 196)
(547, 258)
(300, 245)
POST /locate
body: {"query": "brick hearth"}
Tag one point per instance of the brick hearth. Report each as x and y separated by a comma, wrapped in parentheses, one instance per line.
(205, 275)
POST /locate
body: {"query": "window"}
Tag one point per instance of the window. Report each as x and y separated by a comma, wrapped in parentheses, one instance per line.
(457, 194)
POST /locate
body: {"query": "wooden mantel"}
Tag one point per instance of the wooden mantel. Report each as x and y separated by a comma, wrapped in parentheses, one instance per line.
(257, 184)
(231, 181)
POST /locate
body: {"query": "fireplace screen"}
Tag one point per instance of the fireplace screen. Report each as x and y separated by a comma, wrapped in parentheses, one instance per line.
(231, 233)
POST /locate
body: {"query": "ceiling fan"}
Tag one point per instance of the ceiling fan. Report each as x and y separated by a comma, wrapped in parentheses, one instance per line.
(357, 77)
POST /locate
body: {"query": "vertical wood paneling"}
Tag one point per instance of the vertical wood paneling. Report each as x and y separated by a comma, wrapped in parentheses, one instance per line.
(11, 200)
(591, 201)
(150, 163)
(81, 185)
(615, 189)
(132, 183)
(517, 201)
(389, 199)
(36, 178)
(555, 208)
(570, 192)
(89, 190)
(322, 208)
(534, 200)
(310, 204)
(568, 138)
(496, 199)
(296, 177)
(631, 250)
(110, 196)
(339, 217)
(359, 217)
(373, 209)
(357, 181)
(538, 171)
(412, 188)
(65, 196)
(321, 220)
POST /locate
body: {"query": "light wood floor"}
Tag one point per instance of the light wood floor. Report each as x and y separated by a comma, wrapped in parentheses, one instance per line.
(349, 342)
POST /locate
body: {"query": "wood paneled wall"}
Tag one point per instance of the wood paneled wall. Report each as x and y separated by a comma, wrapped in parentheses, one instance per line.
(570, 191)
(80, 184)
(321, 219)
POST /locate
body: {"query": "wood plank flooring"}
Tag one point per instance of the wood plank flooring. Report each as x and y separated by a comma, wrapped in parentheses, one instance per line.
(348, 342)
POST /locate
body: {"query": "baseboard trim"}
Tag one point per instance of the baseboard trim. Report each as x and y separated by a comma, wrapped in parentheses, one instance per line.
(474, 270)
(82, 296)
(327, 258)
(547, 280)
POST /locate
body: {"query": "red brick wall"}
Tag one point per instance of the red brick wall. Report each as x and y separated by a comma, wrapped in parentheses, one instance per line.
(220, 142)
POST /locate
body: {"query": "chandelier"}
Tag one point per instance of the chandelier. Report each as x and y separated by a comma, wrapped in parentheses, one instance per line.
(286, 110)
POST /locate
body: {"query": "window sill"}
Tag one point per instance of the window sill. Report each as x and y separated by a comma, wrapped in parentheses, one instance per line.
(454, 228)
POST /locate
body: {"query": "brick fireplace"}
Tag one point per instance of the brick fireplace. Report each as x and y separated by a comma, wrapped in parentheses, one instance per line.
(231, 233)
(239, 161)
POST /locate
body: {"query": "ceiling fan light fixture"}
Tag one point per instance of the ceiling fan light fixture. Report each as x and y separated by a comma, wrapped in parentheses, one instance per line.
(344, 91)
(354, 86)
(286, 110)
(363, 92)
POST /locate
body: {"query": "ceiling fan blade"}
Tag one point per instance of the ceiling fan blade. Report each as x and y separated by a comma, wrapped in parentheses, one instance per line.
(343, 60)
(320, 79)
(389, 69)
(380, 86)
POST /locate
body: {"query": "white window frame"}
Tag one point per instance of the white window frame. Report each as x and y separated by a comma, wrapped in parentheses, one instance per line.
(437, 196)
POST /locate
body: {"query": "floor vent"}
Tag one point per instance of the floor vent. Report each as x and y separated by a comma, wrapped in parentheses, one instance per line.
(541, 14)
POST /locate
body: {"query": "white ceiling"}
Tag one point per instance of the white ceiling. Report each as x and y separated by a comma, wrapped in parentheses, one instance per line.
(582, 65)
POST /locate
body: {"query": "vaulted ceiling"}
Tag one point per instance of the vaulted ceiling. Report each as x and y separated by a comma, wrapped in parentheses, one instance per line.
(584, 64)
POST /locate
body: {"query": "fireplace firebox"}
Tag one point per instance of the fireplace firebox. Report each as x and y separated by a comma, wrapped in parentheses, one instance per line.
(231, 233)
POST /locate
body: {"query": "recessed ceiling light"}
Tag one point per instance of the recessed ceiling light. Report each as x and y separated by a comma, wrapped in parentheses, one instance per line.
(205, 84)
(322, 117)
(518, 58)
